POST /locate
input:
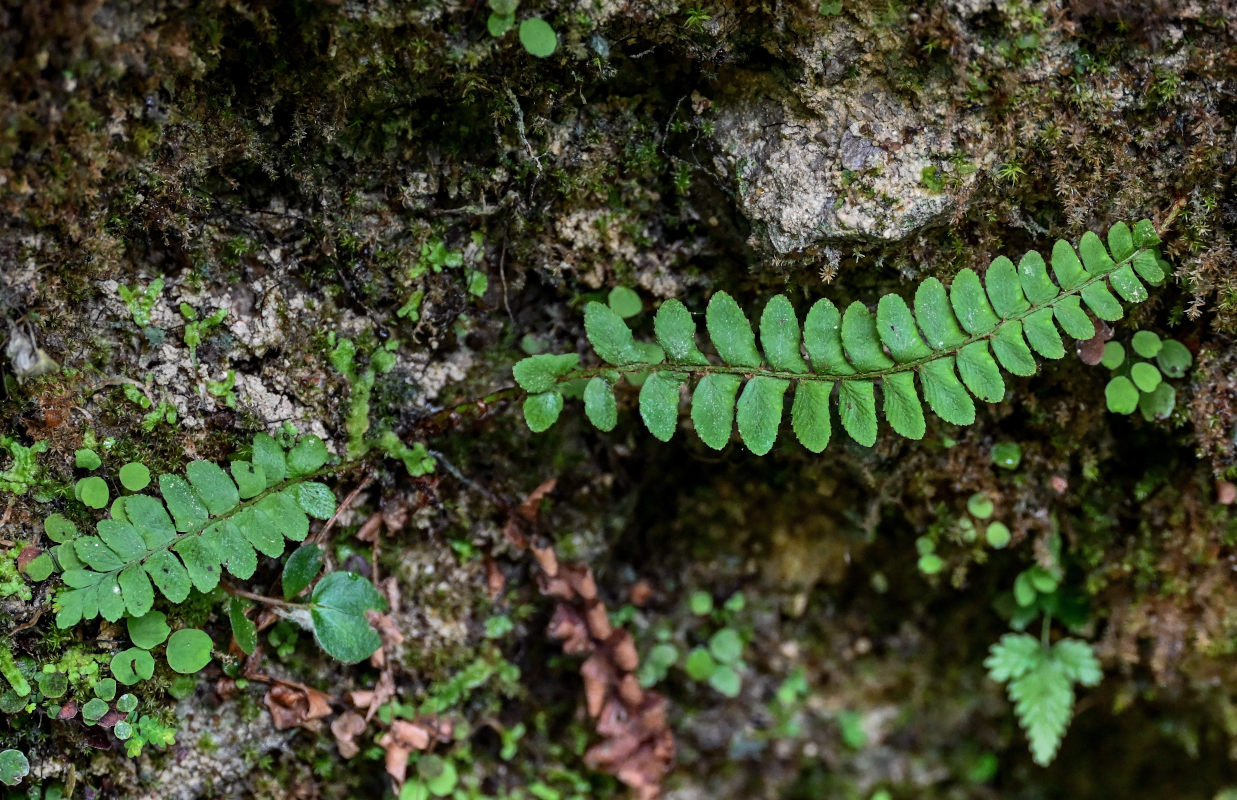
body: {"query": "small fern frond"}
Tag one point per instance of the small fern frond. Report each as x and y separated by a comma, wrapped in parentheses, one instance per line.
(953, 345)
(1041, 684)
(199, 525)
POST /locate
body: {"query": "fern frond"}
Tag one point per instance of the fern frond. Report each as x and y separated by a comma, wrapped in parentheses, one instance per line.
(1041, 684)
(199, 525)
(953, 346)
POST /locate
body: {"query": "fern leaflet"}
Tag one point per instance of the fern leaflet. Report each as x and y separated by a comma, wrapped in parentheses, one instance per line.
(202, 523)
(947, 347)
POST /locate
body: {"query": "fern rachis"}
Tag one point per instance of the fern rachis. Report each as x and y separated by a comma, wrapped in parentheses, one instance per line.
(950, 343)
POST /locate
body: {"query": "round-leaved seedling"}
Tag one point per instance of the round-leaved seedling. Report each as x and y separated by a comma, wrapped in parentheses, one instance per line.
(1146, 344)
(980, 505)
(134, 476)
(92, 491)
(538, 38)
(1121, 395)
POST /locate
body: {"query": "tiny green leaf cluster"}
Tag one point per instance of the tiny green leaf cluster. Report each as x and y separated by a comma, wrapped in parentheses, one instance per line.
(190, 531)
(1138, 383)
(1040, 680)
(947, 347)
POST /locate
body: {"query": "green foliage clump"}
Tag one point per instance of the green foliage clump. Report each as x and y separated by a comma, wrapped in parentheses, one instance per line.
(1137, 384)
(185, 537)
(953, 344)
(1040, 680)
(23, 473)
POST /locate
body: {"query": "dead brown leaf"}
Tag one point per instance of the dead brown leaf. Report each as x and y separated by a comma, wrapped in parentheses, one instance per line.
(345, 728)
(293, 704)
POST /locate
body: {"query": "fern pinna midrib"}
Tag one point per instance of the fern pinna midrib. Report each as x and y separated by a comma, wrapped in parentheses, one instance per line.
(955, 340)
(198, 527)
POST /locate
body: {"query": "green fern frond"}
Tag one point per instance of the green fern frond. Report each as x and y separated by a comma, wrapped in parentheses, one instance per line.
(952, 346)
(1041, 684)
(197, 526)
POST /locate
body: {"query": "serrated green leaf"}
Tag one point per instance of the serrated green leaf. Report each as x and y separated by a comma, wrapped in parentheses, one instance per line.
(980, 373)
(1144, 234)
(1042, 334)
(340, 601)
(1120, 241)
(1095, 256)
(649, 353)
(599, 404)
(779, 335)
(259, 530)
(234, 550)
(138, 594)
(898, 331)
(857, 410)
(1126, 284)
(1033, 276)
(730, 332)
(539, 373)
(96, 554)
(861, 341)
(1077, 660)
(659, 403)
(1101, 302)
(903, 410)
(809, 414)
(1066, 266)
(1004, 288)
(308, 455)
(168, 574)
(122, 539)
(269, 456)
(150, 518)
(300, 569)
(1073, 320)
(202, 561)
(609, 335)
(970, 303)
(1011, 349)
(250, 478)
(542, 410)
(944, 393)
(759, 412)
(1148, 266)
(111, 598)
(713, 405)
(1013, 656)
(285, 515)
(315, 499)
(935, 316)
(1043, 700)
(186, 506)
(822, 338)
(676, 332)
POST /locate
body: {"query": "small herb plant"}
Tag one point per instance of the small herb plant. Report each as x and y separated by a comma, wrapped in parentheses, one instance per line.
(1139, 381)
(954, 345)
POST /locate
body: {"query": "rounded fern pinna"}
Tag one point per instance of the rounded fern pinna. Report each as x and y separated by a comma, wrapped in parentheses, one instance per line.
(948, 346)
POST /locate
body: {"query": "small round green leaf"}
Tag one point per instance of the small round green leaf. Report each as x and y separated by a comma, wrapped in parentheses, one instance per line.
(87, 459)
(997, 534)
(1007, 455)
(1146, 344)
(542, 410)
(726, 646)
(443, 784)
(13, 767)
(53, 684)
(148, 631)
(726, 681)
(980, 505)
(134, 476)
(126, 703)
(700, 603)
(624, 302)
(1145, 376)
(40, 568)
(1121, 395)
(122, 730)
(498, 24)
(105, 689)
(92, 491)
(538, 38)
(133, 665)
(930, 564)
(1174, 358)
(699, 665)
(188, 650)
(1114, 355)
(94, 709)
(1158, 404)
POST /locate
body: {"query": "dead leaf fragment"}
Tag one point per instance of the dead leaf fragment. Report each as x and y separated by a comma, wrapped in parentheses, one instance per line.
(294, 704)
(345, 728)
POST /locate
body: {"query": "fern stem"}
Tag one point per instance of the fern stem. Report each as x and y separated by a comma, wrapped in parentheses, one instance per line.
(1045, 633)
